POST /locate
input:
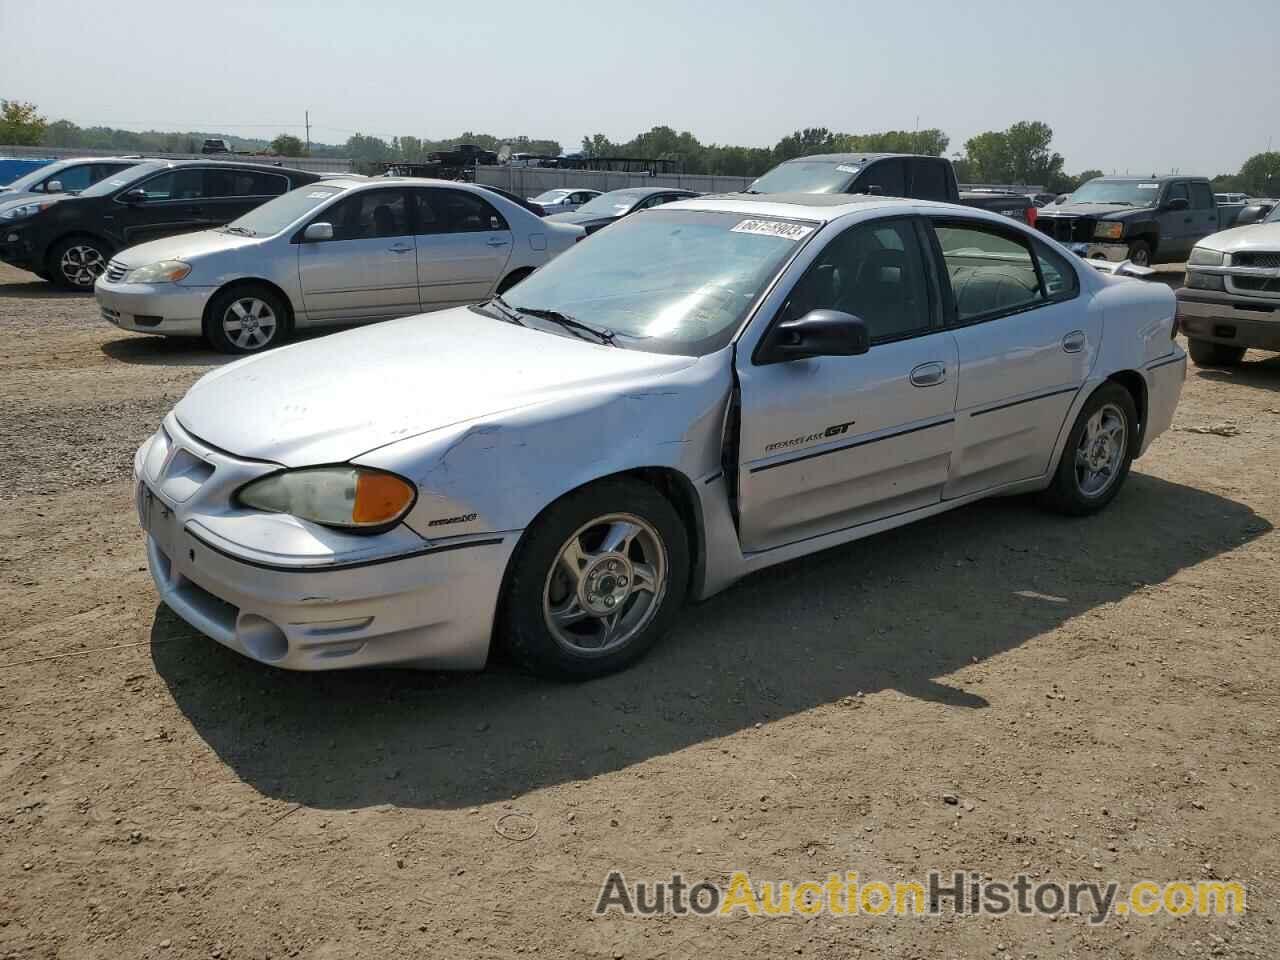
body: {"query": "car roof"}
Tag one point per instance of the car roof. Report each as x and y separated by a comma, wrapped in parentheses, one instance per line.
(848, 157)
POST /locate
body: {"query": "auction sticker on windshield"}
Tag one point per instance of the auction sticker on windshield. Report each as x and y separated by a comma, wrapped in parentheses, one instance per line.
(1148, 186)
(773, 228)
(845, 168)
(322, 194)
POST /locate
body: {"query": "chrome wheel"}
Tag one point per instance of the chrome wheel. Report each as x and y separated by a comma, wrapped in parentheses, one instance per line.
(81, 265)
(249, 323)
(606, 585)
(1140, 257)
(1101, 451)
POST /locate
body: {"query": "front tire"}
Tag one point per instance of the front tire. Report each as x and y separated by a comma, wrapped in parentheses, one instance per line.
(246, 319)
(599, 578)
(1140, 253)
(77, 262)
(1206, 353)
(1098, 453)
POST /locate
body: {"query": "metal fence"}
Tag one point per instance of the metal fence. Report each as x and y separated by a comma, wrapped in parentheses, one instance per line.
(319, 164)
(531, 181)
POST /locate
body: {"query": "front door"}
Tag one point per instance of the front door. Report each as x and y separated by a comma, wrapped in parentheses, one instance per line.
(1177, 227)
(828, 443)
(367, 271)
(174, 202)
(1025, 349)
(463, 245)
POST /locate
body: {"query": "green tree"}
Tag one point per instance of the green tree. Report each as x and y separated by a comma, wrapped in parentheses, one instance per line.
(1020, 154)
(20, 124)
(802, 143)
(1260, 175)
(62, 133)
(287, 145)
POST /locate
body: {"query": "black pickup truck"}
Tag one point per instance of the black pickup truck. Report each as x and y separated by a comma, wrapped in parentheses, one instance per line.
(890, 175)
(1143, 219)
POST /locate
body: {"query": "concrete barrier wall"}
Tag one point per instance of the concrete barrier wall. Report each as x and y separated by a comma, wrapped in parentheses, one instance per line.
(531, 181)
(319, 164)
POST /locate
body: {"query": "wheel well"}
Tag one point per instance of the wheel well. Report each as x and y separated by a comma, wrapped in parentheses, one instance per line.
(1150, 239)
(1132, 381)
(79, 234)
(251, 282)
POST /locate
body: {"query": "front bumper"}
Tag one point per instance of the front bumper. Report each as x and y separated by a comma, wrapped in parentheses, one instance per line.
(1229, 319)
(1115, 252)
(16, 249)
(167, 309)
(292, 595)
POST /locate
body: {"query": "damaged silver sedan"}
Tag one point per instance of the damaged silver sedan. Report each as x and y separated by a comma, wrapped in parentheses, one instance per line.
(698, 392)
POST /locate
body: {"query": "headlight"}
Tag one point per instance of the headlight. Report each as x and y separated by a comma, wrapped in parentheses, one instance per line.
(1108, 231)
(166, 271)
(25, 210)
(1204, 257)
(353, 498)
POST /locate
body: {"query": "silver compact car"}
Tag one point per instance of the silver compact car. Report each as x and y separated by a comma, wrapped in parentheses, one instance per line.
(699, 392)
(341, 250)
(563, 201)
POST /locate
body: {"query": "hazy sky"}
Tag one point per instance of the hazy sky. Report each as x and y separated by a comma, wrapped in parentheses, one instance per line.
(1125, 85)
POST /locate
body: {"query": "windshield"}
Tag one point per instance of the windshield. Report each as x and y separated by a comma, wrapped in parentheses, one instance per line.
(806, 176)
(1133, 193)
(551, 196)
(274, 215)
(1274, 215)
(104, 188)
(612, 204)
(665, 281)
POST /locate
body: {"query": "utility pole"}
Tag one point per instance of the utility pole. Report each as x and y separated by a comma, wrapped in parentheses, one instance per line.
(308, 123)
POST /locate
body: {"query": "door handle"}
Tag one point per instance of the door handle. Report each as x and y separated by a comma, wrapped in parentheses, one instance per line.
(400, 248)
(495, 242)
(929, 374)
(1074, 341)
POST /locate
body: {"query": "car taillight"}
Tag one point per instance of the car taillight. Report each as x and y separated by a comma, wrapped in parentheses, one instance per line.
(1031, 215)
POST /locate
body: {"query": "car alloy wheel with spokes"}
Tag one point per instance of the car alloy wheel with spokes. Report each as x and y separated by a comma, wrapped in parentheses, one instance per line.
(608, 581)
(1101, 451)
(249, 323)
(78, 264)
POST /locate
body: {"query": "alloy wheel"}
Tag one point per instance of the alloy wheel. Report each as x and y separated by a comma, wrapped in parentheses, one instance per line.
(607, 584)
(82, 264)
(249, 323)
(1101, 451)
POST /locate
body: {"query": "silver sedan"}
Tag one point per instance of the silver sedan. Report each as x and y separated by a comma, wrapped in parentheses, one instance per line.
(697, 393)
(338, 251)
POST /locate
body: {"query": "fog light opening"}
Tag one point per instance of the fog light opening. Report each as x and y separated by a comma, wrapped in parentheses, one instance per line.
(261, 638)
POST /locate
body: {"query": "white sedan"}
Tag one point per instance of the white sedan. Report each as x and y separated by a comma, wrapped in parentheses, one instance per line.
(701, 391)
(344, 250)
(563, 201)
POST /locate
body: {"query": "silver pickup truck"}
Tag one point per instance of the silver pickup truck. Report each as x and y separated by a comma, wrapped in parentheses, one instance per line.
(1231, 300)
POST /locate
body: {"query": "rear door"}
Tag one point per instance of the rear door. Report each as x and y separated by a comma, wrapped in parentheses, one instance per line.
(1025, 343)
(828, 443)
(463, 245)
(173, 202)
(367, 271)
(232, 191)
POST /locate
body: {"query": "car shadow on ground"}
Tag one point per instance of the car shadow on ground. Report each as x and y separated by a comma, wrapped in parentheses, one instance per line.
(188, 351)
(1261, 374)
(898, 611)
(38, 289)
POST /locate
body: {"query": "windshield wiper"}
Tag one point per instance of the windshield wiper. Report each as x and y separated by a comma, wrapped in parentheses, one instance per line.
(572, 324)
(507, 310)
(242, 231)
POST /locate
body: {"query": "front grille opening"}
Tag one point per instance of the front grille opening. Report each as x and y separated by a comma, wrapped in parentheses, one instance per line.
(147, 320)
(221, 612)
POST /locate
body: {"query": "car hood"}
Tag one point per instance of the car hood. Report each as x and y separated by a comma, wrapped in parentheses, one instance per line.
(331, 399)
(183, 247)
(10, 200)
(1254, 236)
(1088, 210)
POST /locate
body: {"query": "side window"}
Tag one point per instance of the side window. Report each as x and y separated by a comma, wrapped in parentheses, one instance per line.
(874, 271)
(991, 272)
(185, 184)
(369, 215)
(1177, 191)
(887, 177)
(428, 207)
(467, 213)
(73, 179)
(101, 171)
(1060, 279)
(657, 200)
(929, 179)
(1201, 196)
(233, 183)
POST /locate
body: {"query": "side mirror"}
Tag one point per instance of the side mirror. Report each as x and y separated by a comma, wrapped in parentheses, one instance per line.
(317, 232)
(53, 186)
(1177, 203)
(135, 196)
(1251, 214)
(819, 333)
(1061, 198)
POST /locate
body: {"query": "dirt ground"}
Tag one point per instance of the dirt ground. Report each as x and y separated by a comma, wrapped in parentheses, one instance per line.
(1101, 696)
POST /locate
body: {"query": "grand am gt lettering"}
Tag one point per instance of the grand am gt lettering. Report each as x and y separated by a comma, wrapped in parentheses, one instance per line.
(557, 469)
(834, 430)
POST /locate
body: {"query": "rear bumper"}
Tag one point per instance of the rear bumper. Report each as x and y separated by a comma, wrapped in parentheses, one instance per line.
(168, 309)
(1230, 319)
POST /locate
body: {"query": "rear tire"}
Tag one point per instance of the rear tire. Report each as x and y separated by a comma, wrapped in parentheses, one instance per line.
(246, 319)
(76, 263)
(1206, 353)
(1099, 451)
(599, 578)
(1140, 253)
